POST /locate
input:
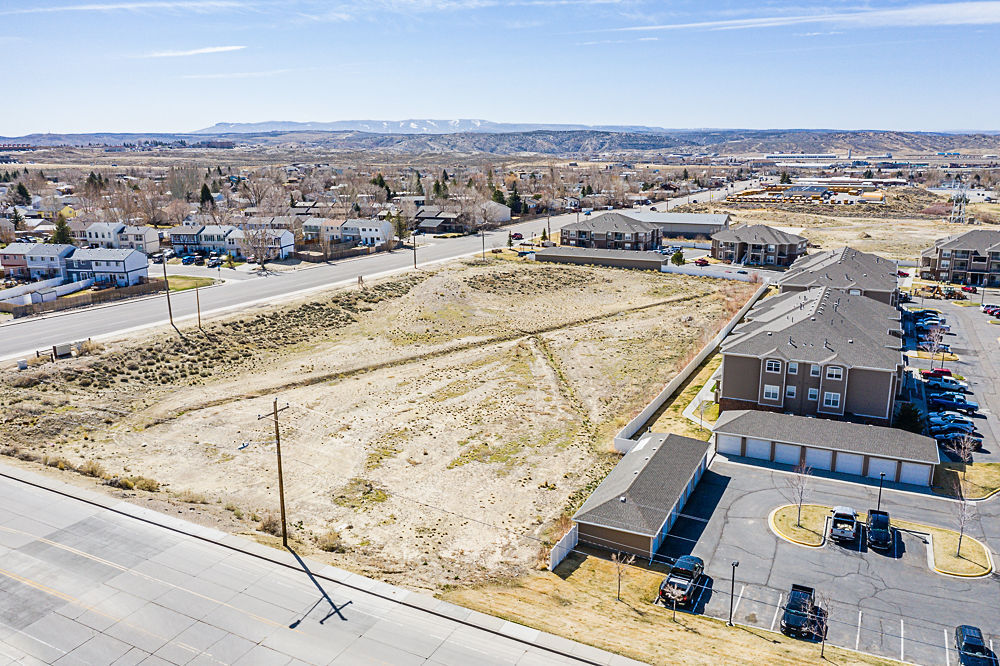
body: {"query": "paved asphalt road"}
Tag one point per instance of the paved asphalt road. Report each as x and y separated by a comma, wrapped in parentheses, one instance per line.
(891, 605)
(20, 338)
(82, 585)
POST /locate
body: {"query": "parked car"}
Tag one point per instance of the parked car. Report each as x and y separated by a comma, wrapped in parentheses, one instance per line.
(986, 306)
(187, 260)
(214, 262)
(942, 418)
(955, 401)
(157, 258)
(970, 289)
(169, 254)
(199, 260)
(799, 611)
(517, 236)
(902, 274)
(701, 261)
(951, 439)
(925, 311)
(935, 324)
(927, 345)
(741, 272)
(971, 647)
(935, 372)
(683, 579)
(879, 530)
(844, 524)
(947, 384)
(949, 428)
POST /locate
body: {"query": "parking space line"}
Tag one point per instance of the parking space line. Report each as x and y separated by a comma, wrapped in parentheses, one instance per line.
(901, 640)
(738, 600)
(700, 595)
(776, 609)
(947, 656)
(857, 640)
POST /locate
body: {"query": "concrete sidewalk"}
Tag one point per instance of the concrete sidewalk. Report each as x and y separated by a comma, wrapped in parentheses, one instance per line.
(88, 579)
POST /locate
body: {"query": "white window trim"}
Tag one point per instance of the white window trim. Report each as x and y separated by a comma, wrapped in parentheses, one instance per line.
(839, 372)
(826, 400)
(814, 370)
(777, 392)
(813, 394)
(767, 366)
(790, 391)
(793, 368)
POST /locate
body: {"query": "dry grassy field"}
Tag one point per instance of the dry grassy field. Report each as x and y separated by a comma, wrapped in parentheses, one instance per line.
(439, 426)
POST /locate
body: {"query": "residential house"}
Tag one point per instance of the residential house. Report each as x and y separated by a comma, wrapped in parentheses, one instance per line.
(372, 233)
(78, 230)
(972, 257)
(52, 210)
(611, 231)
(144, 239)
(823, 351)
(280, 242)
(757, 245)
(312, 228)
(48, 260)
(119, 267)
(184, 239)
(212, 238)
(844, 268)
(14, 259)
(7, 230)
(436, 220)
(104, 234)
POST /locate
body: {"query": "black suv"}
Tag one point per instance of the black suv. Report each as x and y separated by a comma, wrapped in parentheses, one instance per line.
(972, 649)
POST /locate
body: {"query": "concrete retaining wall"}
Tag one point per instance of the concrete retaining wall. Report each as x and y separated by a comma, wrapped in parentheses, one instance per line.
(623, 440)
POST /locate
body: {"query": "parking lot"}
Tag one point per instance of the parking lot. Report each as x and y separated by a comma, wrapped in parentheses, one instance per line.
(889, 604)
(975, 341)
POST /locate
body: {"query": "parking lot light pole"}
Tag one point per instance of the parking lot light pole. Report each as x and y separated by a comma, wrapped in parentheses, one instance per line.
(881, 480)
(732, 593)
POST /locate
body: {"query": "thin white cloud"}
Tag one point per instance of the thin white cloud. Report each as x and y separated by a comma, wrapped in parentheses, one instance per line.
(936, 14)
(239, 75)
(199, 6)
(193, 52)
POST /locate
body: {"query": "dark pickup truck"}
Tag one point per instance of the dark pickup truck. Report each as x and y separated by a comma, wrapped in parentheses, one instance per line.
(880, 535)
(797, 620)
(682, 580)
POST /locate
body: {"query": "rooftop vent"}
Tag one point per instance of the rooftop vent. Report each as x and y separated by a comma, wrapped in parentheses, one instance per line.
(622, 499)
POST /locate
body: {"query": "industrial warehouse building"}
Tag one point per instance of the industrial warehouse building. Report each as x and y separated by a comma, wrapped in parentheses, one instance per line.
(822, 444)
(639, 501)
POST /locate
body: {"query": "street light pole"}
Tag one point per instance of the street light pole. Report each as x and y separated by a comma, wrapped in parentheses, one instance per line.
(881, 480)
(732, 593)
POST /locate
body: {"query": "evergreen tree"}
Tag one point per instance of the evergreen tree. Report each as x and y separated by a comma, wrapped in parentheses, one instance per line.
(498, 196)
(868, 174)
(677, 259)
(785, 178)
(514, 200)
(206, 197)
(21, 195)
(18, 220)
(545, 235)
(444, 175)
(510, 239)
(684, 176)
(62, 235)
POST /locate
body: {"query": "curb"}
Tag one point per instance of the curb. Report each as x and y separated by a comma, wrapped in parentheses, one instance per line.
(950, 574)
(777, 532)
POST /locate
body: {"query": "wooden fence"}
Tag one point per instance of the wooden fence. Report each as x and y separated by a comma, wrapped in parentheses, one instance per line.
(88, 298)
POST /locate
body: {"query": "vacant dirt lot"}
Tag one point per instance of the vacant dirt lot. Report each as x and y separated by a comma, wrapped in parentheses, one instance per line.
(439, 426)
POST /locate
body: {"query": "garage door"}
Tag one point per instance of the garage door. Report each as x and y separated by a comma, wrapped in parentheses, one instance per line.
(819, 458)
(758, 448)
(879, 465)
(787, 453)
(914, 473)
(729, 444)
(849, 463)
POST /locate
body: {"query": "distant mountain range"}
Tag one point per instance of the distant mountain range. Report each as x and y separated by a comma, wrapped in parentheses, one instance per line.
(416, 126)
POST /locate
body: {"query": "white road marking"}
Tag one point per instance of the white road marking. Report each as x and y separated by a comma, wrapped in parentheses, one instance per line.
(901, 640)
(776, 609)
(700, 595)
(738, 600)
(857, 640)
(947, 655)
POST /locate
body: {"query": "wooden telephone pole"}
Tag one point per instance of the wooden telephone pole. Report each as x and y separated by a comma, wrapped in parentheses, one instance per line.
(170, 311)
(281, 481)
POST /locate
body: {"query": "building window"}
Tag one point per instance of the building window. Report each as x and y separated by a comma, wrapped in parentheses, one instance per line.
(814, 371)
(771, 392)
(789, 391)
(793, 368)
(835, 372)
(814, 394)
(772, 366)
(831, 400)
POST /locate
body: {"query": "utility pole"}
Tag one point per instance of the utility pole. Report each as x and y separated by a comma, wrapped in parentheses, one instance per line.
(197, 300)
(414, 239)
(170, 311)
(281, 480)
(482, 232)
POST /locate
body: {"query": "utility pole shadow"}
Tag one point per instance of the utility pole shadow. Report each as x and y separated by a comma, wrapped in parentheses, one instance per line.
(334, 609)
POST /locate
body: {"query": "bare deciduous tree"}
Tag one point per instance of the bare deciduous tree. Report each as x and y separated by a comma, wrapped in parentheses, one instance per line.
(621, 562)
(256, 242)
(673, 595)
(963, 511)
(934, 343)
(963, 447)
(819, 621)
(796, 487)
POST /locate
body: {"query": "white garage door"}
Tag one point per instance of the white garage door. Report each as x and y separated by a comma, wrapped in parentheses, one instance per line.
(787, 453)
(849, 463)
(878, 465)
(819, 458)
(914, 473)
(758, 448)
(729, 444)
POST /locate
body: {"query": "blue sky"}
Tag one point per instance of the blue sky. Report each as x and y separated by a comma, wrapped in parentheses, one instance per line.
(179, 65)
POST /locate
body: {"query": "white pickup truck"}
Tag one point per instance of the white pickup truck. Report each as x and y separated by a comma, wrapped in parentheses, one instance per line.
(844, 524)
